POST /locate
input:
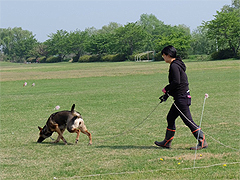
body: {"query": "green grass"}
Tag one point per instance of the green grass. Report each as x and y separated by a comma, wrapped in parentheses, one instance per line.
(113, 98)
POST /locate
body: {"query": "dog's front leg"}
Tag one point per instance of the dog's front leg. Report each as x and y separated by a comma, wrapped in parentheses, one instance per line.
(78, 134)
(57, 140)
(60, 136)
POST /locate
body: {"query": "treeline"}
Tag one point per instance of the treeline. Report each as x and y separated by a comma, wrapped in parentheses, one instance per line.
(219, 38)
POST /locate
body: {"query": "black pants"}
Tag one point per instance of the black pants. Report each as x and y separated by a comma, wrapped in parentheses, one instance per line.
(182, 102)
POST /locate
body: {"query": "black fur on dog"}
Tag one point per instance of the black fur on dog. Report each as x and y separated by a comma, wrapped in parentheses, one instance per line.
(59, 121)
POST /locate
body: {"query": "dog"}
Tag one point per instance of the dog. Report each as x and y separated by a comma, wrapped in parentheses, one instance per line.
(59, 121)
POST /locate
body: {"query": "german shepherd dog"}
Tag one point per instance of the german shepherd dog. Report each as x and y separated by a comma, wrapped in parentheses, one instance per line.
(61, 120)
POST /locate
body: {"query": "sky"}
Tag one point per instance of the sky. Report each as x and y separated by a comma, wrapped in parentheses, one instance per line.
(43, 17)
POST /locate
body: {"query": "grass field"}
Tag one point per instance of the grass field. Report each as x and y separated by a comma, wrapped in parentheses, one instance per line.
(113, 99)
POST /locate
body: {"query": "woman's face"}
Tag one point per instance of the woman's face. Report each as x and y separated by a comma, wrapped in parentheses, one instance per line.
(167, 58)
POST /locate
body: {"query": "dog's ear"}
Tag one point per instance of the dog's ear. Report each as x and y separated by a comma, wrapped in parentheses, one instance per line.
(73, 106)
(39, 128)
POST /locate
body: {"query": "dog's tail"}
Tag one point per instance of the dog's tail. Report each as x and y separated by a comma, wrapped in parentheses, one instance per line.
(74, 113)
(72, 109)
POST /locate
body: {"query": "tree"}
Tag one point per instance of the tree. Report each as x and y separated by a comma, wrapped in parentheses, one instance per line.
(99, 43)
(130, 38)
(236, 4)
(153, 27)
(110, 28)
(102, 41)
(58, 44)
(77, 43)
(225, 28)
(23, 47)
(160, 35)
(17, 43)
(39, 50)
(200, 44)
(178, 36)
(151, 24)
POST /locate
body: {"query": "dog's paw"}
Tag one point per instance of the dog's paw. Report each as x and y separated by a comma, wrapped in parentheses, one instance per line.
(76, 141)
(90, 144)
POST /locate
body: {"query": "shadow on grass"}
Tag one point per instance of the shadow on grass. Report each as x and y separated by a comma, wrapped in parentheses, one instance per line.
(127, 147)
(139, 147)
(53, 144)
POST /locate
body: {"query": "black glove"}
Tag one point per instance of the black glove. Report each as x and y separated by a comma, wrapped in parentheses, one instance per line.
(164, 97)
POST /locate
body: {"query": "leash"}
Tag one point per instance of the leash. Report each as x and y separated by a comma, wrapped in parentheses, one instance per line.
(130, 129)
(147, 116)
(140, 122)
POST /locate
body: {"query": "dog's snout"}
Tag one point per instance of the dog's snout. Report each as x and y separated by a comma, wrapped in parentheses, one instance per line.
(40, 139)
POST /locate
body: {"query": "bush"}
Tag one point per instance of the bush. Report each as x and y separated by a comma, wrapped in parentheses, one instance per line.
(3, 57)
(41, 59)
(203, 57)
(107, 58)
(120, 57)
(95, 58)
(222, 54)
(238, 55)
(113, 58)
(75, 59)
(183, 54)
(131, 57)
(90, 58)
(158, 57)
(104, 58)
(84, 58)
(31, 59)
(52, 59)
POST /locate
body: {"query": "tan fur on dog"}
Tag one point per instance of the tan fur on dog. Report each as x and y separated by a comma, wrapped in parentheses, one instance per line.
(59, 121)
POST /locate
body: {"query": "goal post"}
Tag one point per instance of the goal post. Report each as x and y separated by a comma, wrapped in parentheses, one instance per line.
(138, 57)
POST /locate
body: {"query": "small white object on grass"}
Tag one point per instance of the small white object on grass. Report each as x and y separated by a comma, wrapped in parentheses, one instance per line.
(57, 107)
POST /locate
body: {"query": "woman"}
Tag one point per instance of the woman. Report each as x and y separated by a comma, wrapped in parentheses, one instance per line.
(178, 88)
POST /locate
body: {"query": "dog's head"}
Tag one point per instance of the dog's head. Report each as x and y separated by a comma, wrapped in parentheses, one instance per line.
(43, 134)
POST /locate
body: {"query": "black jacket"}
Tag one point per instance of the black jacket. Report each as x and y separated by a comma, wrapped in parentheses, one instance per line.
(178, 81)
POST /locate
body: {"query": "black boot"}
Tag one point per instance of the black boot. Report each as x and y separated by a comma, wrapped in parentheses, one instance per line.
(202, 143)
(166, 143)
